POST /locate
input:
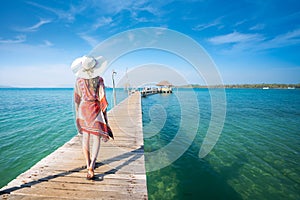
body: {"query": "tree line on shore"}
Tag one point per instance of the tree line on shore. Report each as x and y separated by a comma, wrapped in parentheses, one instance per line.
(262, 85)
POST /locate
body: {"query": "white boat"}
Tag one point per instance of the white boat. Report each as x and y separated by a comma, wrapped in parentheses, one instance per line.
(291, 88)
(265, 88)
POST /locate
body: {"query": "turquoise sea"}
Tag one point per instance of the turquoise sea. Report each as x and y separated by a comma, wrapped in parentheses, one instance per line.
(256, 157)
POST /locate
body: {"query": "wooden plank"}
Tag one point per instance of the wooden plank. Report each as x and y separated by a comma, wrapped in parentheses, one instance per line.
(85, 187)
(78, 194)
(25, 197)
(120, 168)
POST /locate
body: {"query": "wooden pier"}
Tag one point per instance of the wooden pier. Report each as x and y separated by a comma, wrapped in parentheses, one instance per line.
(120, 168)
(149, 91)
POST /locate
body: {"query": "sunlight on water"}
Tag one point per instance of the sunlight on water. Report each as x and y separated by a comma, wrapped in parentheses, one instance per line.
(33, 123)
(256, 156)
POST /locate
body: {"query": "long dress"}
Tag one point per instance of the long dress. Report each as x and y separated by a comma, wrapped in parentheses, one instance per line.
(92, 105)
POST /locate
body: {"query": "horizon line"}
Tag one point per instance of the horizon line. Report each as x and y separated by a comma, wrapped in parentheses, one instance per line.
(175, 86)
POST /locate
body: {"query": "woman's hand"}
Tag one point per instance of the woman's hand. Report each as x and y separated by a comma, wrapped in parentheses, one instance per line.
(105, 138)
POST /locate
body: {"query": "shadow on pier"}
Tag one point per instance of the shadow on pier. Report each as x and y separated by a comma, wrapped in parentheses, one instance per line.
(134, 154)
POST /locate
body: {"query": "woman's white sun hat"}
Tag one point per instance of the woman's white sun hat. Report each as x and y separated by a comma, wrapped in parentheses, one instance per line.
(88, 67)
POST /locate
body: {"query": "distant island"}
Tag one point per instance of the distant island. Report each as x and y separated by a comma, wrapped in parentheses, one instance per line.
(258, 86)
(5, 86)
(262, 85)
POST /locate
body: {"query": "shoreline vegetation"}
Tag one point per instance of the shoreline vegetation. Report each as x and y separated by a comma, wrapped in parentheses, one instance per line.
(250, 86)
(237, 86)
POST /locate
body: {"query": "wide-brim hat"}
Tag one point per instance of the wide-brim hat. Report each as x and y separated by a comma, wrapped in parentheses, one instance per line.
(88, 67)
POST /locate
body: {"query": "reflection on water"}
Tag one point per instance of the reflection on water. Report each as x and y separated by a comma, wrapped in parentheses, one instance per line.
(256, 156)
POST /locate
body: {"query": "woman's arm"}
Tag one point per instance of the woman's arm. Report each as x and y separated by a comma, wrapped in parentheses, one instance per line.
(77, 99)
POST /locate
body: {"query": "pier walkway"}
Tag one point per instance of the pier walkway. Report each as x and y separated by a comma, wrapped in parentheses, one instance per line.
(120, 168)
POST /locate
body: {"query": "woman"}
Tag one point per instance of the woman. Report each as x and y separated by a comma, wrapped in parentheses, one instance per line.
(90, 106)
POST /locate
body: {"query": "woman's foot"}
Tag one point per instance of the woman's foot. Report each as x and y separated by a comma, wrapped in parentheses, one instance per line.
(90, 174)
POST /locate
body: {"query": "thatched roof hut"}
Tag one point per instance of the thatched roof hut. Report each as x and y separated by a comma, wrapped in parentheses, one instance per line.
(164, 83)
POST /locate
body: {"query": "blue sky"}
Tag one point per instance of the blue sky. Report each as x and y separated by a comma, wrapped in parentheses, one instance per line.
(250, 41)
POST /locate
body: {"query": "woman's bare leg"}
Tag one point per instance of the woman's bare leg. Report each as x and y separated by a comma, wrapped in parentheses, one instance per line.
(86, 148)
(95, 150)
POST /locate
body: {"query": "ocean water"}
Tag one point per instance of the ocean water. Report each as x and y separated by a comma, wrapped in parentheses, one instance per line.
(256, 157)
(34, 123)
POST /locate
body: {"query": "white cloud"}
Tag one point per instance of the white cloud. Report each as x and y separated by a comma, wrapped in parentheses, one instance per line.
(18, 39)
(36, 26)
(68, 15)
(48, 43)
(286, 39)
(89, 39)
(103, 21)
(135, 16)
(235, 37)
(256, 42)
(114, 7)
(201, 27)
(257, 27)
(240, 22)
